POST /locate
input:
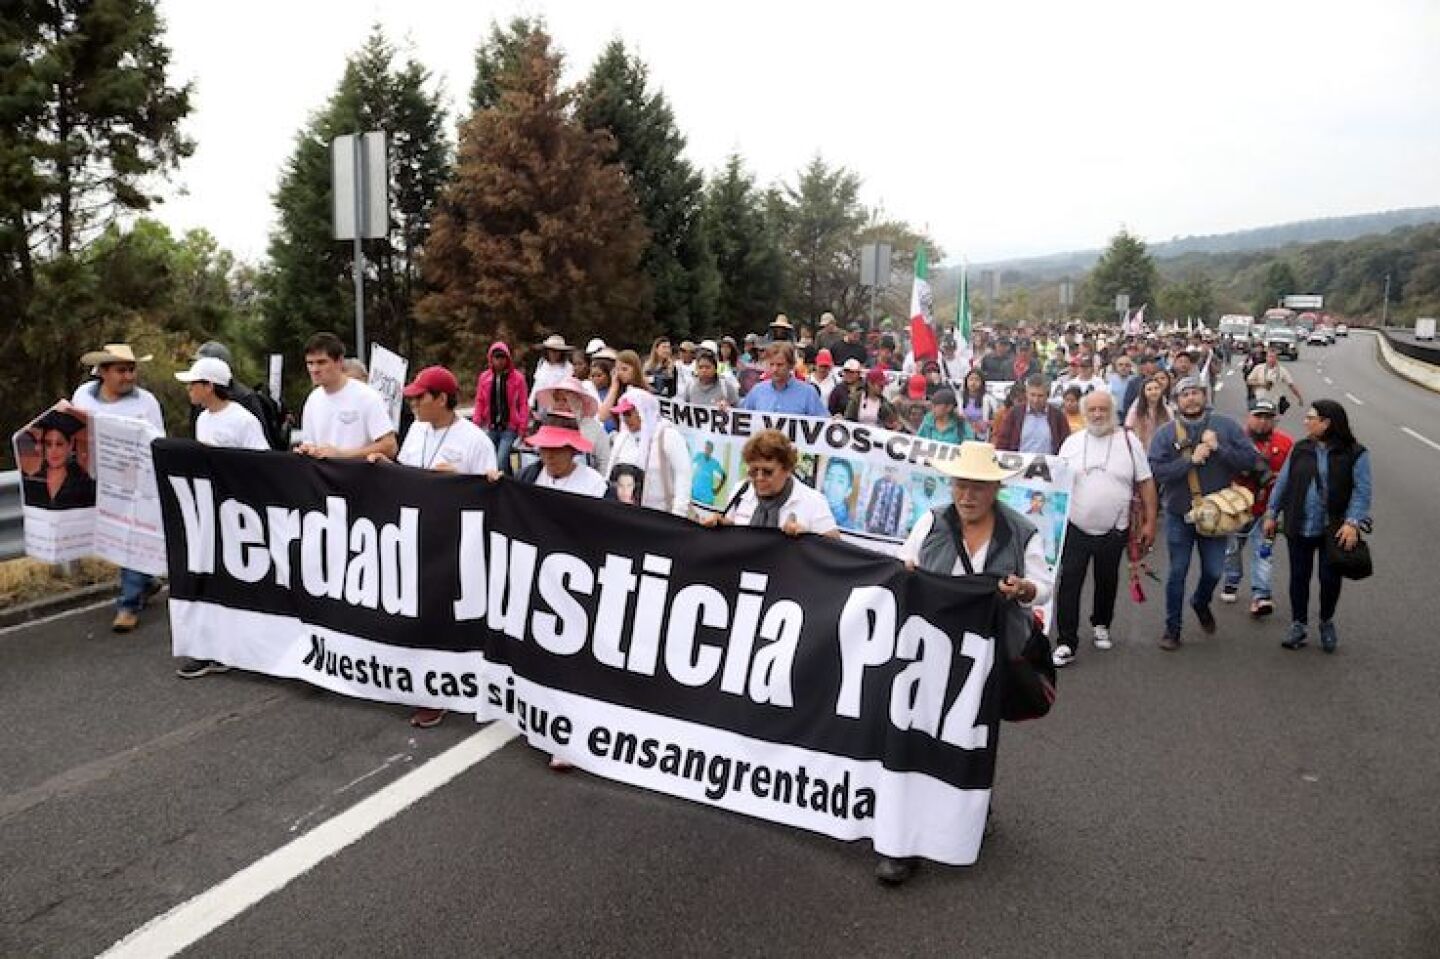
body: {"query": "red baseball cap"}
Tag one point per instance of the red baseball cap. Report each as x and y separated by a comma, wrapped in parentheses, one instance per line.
(433, 379)
(823, 358)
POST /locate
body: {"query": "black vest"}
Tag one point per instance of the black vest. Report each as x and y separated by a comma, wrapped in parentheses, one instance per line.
(1305, 472)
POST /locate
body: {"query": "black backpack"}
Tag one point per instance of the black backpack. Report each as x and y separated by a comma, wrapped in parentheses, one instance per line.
(267, 411)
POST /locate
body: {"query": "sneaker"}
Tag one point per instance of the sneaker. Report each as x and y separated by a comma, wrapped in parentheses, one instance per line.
(1102, 637)
(426, 717)
(1328, 637)
(195, 668)
(1296, 639)
(1170, 641)
(1229, 594)
(1207, 618)
(1063, 655)
(893, 871)
(1261, 606)
(125, 621)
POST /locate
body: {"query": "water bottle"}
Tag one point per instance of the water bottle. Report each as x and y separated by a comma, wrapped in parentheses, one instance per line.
(1266, 548)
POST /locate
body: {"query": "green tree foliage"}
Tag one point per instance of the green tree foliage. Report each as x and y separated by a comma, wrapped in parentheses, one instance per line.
(650, 147)
(1279, 282)
(1124, 267)
(500, 51)
(747, 254)
(308, 284)
(537, 231)
(1192, 296)
(818, 219)
(89, 125)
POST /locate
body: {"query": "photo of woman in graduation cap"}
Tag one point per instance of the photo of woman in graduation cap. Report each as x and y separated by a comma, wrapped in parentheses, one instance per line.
(59, 481)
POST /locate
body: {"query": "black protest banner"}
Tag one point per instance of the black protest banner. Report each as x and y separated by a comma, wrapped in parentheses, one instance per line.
(799, 680)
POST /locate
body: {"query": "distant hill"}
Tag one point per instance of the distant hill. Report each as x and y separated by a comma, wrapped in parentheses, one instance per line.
(1074, 263)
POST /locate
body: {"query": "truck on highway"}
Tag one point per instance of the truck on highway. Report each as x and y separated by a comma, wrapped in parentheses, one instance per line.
(1238, 327)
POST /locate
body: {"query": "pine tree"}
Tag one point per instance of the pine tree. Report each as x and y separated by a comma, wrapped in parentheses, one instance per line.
(308, 285)
(89, 126)
(1124, 267)
(501, 51)
(819, 219)
(650, 147)
(537, 231)
(747, 255)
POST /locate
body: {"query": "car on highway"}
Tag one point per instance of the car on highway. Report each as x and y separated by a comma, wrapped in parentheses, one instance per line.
(1320, 336)
(1284, 341)
(1342, 330)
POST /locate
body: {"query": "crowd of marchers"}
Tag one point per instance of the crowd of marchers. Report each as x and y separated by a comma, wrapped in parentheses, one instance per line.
(1130, 411)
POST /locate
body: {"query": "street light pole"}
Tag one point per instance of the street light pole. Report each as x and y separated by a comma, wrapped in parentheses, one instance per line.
(1385, 305)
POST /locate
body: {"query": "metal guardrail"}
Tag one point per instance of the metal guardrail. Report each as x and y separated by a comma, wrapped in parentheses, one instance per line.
(12, 518)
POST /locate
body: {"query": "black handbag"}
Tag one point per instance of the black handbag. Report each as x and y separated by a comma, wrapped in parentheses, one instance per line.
(1349, 563)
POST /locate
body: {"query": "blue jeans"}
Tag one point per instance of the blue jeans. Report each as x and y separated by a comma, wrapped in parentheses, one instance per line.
(1248, 539)
(503, 440)
(133, 585)
(1180, 539)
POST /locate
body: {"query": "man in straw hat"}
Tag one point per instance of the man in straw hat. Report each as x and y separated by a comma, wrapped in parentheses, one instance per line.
(113, 392)
(976, 533)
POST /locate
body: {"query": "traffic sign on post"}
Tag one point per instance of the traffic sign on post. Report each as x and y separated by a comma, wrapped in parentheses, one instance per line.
(1122, 302)
(360, 180)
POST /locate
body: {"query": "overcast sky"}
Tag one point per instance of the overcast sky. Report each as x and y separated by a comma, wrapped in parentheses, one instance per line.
(1008, 128)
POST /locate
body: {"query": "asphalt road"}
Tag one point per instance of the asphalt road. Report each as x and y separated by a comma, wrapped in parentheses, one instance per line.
(1233, 798)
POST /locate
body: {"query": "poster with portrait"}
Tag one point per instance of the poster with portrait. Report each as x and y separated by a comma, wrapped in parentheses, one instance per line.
(629, 483)
(88, 489)
(57, 484)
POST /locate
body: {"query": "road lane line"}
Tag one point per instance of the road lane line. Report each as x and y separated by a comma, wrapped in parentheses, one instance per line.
(1428, 442)
(1329, 381)
(1354, 399)
(196, 918)
(72, 611)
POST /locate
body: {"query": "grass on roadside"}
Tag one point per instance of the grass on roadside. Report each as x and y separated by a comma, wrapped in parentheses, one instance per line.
(25, 580)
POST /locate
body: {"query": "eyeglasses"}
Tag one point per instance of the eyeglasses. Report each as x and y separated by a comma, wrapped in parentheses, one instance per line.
(761, 472)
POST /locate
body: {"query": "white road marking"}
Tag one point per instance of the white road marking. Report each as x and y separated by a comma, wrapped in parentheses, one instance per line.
(1354, 399)
(74, 611)
(191, 921)
(1329, 381)
(1428, 442)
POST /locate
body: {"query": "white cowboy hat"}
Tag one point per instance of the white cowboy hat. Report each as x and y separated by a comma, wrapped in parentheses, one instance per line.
(555, 342)
(594, 346)
(544, 397)
(782, 321)
(114, 353)
(977, 462)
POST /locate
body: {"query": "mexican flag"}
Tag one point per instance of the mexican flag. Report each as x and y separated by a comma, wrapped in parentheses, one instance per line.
(962, 319)
(922, 308)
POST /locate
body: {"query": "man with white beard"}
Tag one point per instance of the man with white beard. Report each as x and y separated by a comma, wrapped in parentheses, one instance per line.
(1108, 464)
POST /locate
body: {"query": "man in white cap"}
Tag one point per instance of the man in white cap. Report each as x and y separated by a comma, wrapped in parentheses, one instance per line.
(845, 387)
(222, 421)
(225, 423)
(113, 392)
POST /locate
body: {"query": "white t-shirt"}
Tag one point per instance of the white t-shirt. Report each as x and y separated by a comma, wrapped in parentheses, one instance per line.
(1104, 478)
(1265, 379)
(234, 427)
(807, 505)
(462, 444)
(582, 480)
(138, 404)
(1036, 569)
(351, 417)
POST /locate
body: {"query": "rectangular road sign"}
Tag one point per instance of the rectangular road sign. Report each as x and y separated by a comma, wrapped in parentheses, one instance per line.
(370, 173)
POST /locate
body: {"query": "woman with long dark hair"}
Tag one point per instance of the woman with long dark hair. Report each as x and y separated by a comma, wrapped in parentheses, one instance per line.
(1324, 490)
(1151, 409)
